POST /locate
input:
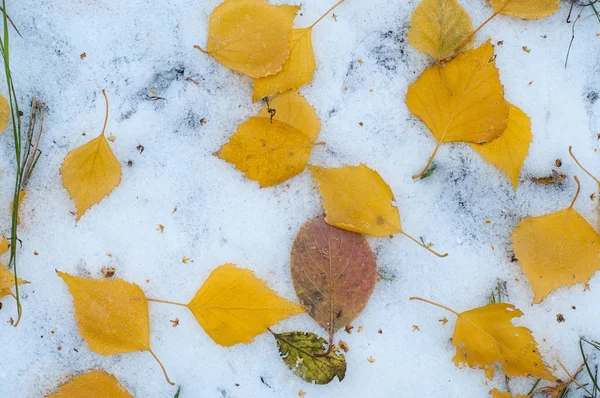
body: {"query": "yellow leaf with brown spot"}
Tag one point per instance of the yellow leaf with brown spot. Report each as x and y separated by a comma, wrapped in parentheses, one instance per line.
(7, 281)
(527, 9)
(356, 198)
(112, 315)
(461, 100)
(495, 393)
(557, 249)
(439, 27)
(272, 151)
(93, 384)
(251, 36)
(299, 68)
(508, 152)
(4, 113)
(486, 336)
(234, 306)
(91, 172)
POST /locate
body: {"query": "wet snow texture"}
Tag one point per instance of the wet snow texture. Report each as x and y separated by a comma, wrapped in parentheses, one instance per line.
(135, 46)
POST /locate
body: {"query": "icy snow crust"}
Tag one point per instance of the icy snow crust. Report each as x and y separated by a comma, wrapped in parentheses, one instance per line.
(135, 46)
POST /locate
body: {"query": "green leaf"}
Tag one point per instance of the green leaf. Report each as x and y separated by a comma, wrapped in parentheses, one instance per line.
(299, 349)
(429, 172)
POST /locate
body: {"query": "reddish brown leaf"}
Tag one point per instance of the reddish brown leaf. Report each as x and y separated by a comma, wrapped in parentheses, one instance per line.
(334, 273)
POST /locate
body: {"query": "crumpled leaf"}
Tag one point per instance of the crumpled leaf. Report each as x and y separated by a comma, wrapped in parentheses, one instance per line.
(508, 152)
(299, 68)
(93, 384)
(112, 315)
(299, 351)
(485, 336)
(234, 306)
(495, 393)
(7, 281)
(461, 100)
(272, 151)
(4, 113)
(557, 249)
(334, 273)
(528, 9)
(91, 171)
(251, 36)
(439, 27)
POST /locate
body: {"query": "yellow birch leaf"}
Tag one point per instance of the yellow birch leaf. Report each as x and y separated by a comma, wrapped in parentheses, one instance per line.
(495, 393)
(93, 384)
(7, 281)
(508, 152)
(357, 199)
(3, 245)
(272, 151)
(439, 27)
(234, 306)
(4, 112)
(461, 100)
(528, 9)
(250, 36)
(557, 249)
(91, 172)
(486, 336)
(112, 315)
(299, 68)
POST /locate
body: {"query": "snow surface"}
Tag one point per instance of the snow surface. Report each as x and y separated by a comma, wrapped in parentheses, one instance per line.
(135, 46)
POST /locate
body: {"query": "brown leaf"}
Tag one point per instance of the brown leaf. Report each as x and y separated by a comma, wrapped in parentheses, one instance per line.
(334, 273)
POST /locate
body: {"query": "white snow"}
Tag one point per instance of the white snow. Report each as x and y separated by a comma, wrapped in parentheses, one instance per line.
(135, 46)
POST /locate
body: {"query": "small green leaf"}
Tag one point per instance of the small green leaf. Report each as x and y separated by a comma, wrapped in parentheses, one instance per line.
(177, 393)
(298, 350)
(429, 172)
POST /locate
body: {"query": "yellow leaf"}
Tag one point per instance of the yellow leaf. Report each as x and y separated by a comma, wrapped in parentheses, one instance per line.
(439, 27)
(22, 195)
(250, 36)
(272, 151)
(93, 384)
(91, 171)
(528, 9)
(558, 249)
(7, 281)
(233, 306)
(4, 111)
(357, 199)
(509, 151)
(3, 245)
(495, 393)
(112, 315)
(461, 100)
(485, 336)
(299, 68)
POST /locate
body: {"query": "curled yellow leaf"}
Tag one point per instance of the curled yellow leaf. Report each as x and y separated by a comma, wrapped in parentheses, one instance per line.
(250, 36)
(439, 27)
(91, 172)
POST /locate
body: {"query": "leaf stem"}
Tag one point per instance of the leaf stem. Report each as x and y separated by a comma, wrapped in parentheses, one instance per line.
(472, 35)
(167, 302)
(162, 367)
(325, 14)
(106, 115)
(19, 309)
(201, 50)
(437, 147)
(576, 193)
(436, 304)
(424, 246)
(581, 167)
